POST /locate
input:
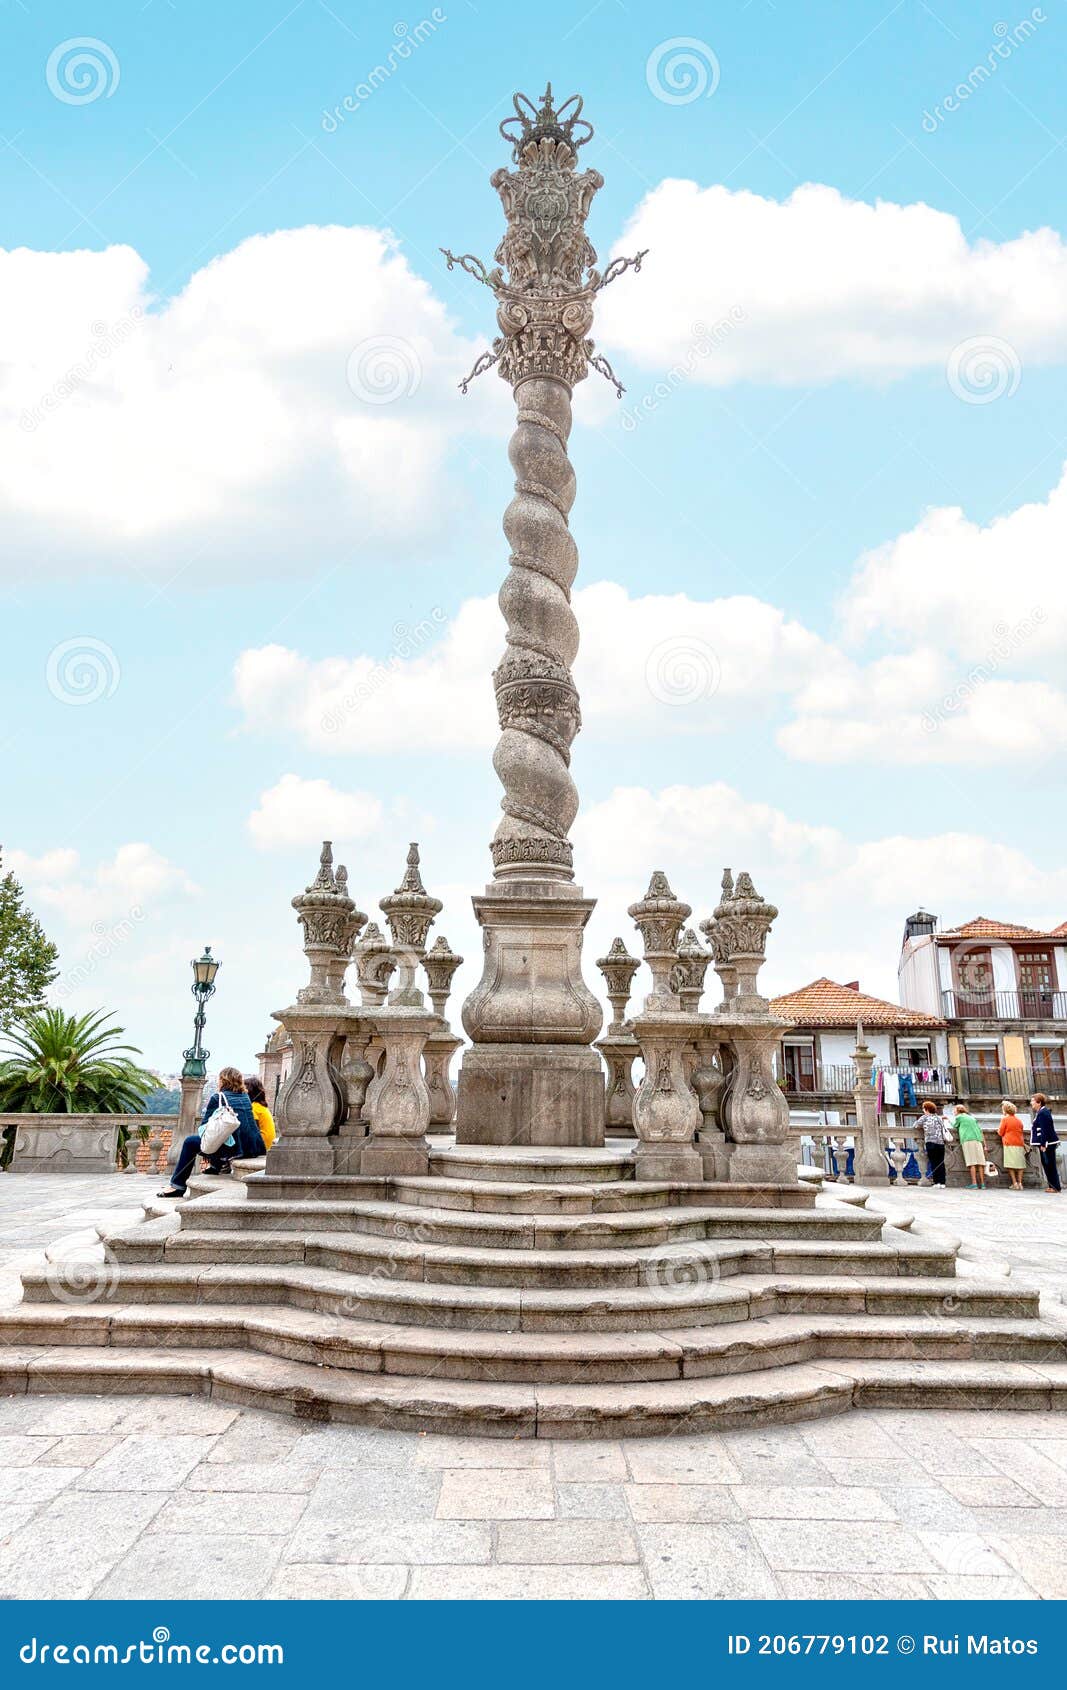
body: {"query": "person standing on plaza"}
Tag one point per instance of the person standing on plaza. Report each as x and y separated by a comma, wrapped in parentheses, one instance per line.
(934, 1128)
(972, 1143)
(1043, 1133)
(1011, 1137)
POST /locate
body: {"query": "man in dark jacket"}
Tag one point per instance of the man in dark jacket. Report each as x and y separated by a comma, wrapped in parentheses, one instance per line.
(1043, 1133)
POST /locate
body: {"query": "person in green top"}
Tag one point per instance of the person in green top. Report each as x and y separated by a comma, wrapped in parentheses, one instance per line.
(972, 1143)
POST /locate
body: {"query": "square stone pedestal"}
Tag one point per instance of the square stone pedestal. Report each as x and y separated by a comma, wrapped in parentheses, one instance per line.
(301, 1157)
(551, 1095)
(394, 1156)
(668, 1162)
(763, 1164)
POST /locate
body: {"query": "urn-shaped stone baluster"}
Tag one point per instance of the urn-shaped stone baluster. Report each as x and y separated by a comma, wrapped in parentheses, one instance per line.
(375, 963)
(398, 1098)
(617, 1045)
(659, 918)
(410, 912)
(440, 964)
(751, 918)
(691, 965)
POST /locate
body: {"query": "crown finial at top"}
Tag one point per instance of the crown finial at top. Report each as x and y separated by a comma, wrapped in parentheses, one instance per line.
(544, 123)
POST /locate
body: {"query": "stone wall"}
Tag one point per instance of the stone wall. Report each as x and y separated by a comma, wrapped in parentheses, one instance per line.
(85, 1144)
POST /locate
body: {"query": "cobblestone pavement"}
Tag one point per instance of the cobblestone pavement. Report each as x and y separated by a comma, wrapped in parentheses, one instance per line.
(163, 1497)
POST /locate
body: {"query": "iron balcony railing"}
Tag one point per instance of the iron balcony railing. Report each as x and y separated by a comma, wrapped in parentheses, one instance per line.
(1028, 1005)
(831, 1079)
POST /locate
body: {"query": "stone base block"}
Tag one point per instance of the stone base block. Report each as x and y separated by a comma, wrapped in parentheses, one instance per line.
(397, 1156)
(348, 1148)
(550, 1095)
(763, 1164)
(714, 1154)
(302, 1157)
(668, 1162)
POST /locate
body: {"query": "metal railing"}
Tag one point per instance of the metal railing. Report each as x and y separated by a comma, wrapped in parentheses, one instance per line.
(838, 1079)
(1028, 1005)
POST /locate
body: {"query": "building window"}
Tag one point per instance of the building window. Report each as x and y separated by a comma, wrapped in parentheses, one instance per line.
(982, 1072)
(799, 1067)
(914, 1053)
(1049, 1066)
(1037, 982)
(974, 981)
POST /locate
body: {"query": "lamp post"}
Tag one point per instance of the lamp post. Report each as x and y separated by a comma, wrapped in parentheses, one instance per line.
(194, 1068)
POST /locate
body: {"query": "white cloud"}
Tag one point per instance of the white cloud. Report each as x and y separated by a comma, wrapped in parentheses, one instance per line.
(996, 590)
(652, 665)
(820, 287)
(243, 417)
(304, 812)
(130, 883)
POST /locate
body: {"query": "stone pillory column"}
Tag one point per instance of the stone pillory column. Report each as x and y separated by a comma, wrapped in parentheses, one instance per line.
(530, 1076)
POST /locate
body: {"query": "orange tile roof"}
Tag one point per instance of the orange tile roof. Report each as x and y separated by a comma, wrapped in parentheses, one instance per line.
(825, 1003)
(983, 927)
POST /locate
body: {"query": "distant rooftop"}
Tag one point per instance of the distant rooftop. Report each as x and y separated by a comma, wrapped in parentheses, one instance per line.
(826, 1003)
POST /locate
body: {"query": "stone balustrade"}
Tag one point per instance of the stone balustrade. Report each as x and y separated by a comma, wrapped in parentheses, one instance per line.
(80, 1144)
(829, 1153)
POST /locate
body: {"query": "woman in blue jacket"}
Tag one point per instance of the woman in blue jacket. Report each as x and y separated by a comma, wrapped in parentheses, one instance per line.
(1043, 1133)
(246, 1141)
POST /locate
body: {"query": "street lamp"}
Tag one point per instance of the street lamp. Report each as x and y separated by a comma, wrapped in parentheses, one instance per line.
(204, 969)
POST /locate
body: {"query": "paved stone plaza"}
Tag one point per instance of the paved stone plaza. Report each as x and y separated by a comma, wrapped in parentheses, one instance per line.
(169, 1497)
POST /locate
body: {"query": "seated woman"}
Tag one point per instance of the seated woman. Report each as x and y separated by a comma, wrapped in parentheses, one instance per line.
(246, 1141)
(263, 1117)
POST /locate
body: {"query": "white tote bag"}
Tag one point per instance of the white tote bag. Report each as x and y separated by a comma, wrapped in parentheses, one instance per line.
(219, 1127)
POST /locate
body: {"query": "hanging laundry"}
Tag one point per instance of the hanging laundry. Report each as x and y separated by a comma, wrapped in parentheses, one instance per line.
(907, 1092)
(891, 1090)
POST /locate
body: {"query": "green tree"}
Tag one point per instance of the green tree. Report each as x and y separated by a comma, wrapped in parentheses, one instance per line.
(27, 956)
(52, 1063)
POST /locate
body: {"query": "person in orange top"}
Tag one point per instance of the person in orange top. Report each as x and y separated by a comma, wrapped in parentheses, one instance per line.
(1011, 1137)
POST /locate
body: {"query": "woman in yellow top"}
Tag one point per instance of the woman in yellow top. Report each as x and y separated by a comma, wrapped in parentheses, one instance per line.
(263, 1117)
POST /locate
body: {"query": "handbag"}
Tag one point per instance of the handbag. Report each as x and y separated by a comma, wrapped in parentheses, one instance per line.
(218, 1127)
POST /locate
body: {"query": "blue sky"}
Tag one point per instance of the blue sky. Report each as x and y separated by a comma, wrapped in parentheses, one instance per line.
(819, 434)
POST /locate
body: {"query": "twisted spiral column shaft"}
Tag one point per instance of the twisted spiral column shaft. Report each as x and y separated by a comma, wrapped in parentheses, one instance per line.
(537, 701)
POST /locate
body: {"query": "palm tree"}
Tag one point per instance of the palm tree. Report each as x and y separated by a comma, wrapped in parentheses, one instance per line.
(52, 1063)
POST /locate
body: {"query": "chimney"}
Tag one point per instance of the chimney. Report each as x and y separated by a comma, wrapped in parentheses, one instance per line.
(921, 925)
(852, 985)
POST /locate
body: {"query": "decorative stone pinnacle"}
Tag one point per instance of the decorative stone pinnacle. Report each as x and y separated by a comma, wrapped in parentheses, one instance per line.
(618, 969)
(659, 918)
(687, 976)
(545, 124)
(375, 963)
(328, 916)
(750, 919)
(324, 879)
(410, 910)
(440, 963)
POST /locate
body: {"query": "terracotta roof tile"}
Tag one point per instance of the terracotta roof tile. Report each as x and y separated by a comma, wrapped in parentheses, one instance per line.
(983, 927)
(825, 1003)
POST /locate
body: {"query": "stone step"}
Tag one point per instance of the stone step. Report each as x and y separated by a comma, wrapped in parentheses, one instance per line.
(695, 1260)
(533, 1165)
(322, 1394)
(535, 1357)
(491, 1196)
(507, 1309)
(648, 1229)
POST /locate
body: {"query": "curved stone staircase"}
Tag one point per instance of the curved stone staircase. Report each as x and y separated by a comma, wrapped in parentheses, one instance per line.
(532, 1293)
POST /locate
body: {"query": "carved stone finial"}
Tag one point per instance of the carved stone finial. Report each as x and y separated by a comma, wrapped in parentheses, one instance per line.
(324, 879)
(530, 125)
(330, 921)
(410, 910)
(375, 963)
(440, 963)
(618, 969)
(687, 976)
(659, 918)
